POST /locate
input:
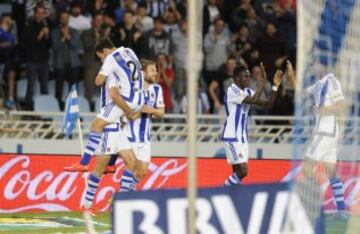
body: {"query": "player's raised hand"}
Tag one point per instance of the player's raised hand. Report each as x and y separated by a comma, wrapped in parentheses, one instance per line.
(278, 77)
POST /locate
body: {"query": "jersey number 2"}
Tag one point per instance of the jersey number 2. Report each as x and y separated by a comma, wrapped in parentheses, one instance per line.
(132, 67)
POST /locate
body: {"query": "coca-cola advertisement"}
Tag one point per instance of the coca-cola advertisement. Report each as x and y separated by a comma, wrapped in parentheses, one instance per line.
(38, 182)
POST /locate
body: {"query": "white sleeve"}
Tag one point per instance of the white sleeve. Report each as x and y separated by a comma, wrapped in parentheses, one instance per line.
(312, 89)
(107, 66)
(336, 90)
(112, 81)
(235, 95)
(160, 97)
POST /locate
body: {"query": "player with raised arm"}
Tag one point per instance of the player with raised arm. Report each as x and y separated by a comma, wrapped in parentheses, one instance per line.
(126, 68)
(238, 100)
(328, 106)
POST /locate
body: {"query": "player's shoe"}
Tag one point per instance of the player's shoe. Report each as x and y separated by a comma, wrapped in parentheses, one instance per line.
(91, 211)
(110, 170)
(77, 167)
(341, 215)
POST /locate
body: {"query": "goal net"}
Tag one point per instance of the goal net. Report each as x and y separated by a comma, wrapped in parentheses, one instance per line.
(326, 126)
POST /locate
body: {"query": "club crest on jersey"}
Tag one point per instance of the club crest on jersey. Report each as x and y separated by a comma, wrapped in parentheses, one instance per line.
(152, 95)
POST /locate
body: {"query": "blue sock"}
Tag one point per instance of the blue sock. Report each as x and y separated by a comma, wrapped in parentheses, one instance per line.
(232, 180)
(91, 145)
(91, 187)
(112, 160)
(338, 193)
(126, 182)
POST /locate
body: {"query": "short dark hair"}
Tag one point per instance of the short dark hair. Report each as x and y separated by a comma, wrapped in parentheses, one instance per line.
(104, 43)
(159, 19)
(239, 69)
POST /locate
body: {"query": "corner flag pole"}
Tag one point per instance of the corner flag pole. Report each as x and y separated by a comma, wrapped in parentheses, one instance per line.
(194, 57)
(80, 136)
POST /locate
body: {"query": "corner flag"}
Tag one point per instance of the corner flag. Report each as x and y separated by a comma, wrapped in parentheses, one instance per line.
(71, 112)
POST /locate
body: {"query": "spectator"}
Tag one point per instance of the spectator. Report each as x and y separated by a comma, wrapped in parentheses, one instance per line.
(172, 17)
(254, 59)
(210, 13)
(36, 43)
(203, 106)
(129, 35)
(7, 53)
(142, 21)
(157, 41)
(166, 79)
(110, 28)
(286, 23)
(100, 6)
(218, 86)
(30, 6)
(157, 8)
(66, 45)
(126, 5)
(78, 21)
(255, 25)
(272, 49)
(284, 104)
(92, 65)
(238, 16)
(256, 77)
(241, 44)
(179, 51)
(217, 48)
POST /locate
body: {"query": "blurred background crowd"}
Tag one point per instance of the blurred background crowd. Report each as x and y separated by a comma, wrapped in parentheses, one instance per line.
(48, 45)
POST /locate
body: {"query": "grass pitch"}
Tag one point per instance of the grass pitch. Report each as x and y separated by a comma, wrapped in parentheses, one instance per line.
(73, 222)
(52, 222)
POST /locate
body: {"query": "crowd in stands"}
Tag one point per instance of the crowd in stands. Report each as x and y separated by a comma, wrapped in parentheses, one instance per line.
(53, 40)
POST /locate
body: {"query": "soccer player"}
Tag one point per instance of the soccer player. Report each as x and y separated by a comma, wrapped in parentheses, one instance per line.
(125, 66)
(329, 104)
(140, 128)
(238, 100)
(116, 140)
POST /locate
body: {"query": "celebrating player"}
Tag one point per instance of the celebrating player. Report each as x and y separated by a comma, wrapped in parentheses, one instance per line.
(116, 140)
(139, 129)
(125, 66)
(238, 100)
(329, 104)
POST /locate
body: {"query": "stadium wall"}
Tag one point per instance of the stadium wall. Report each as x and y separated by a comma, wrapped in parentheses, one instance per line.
(35, 182)
(165, 149)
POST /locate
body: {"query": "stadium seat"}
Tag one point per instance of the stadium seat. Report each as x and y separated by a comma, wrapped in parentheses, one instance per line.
(21, 89)
(85, 108)
(47, 103)
(81, 88)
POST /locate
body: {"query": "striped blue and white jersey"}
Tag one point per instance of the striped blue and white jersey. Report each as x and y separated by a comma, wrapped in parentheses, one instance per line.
(124, 65)
(139, 129)
(325, 93)
(110, 82)
(235, 126)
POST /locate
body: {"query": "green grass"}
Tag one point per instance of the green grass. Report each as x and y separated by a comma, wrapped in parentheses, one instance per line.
(74, 220)
(103, 223)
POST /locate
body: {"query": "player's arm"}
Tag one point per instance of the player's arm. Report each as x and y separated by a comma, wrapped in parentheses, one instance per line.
(337, 109)
(105, 70)
(254, 99)
(291, 74)
(158, 112)
(269, 103)
(119, 101)
(100, 79)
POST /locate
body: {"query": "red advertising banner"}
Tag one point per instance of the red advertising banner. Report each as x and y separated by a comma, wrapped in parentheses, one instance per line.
(38, 182)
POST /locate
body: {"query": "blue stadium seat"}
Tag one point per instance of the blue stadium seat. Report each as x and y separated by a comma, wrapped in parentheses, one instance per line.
(84, 108)
(47, 103)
